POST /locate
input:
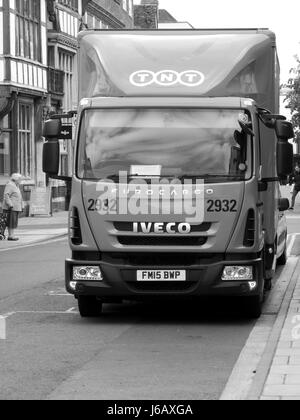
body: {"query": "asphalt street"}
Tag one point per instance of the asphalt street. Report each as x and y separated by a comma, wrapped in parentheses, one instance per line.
(135, 351)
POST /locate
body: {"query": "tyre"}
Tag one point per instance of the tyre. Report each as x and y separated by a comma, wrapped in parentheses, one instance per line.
(89, 306)
(268, 285)
(282, 260)
(253, 306)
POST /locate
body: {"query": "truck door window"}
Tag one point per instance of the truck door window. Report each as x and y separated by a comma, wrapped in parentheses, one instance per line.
(182, 142)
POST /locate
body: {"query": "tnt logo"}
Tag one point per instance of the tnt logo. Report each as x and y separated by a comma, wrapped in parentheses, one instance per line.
(189, 78)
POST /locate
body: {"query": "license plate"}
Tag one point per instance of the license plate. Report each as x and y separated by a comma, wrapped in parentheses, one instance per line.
(161, 275)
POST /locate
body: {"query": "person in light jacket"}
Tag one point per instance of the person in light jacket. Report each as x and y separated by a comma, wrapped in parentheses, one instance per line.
(13, 204)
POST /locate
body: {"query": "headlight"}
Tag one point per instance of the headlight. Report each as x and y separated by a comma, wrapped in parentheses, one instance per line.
(236, 273)
(87, 273)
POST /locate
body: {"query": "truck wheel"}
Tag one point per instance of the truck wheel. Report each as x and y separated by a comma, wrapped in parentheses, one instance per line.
(282, 260)
(89, 306)
(268, 285)
(253, 306)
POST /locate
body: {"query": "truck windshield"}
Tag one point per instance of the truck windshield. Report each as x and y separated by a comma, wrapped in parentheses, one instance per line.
(206, 143)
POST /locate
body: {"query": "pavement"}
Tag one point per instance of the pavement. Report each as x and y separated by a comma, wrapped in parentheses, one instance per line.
(32, 230)
(283, 375)
(283, 380)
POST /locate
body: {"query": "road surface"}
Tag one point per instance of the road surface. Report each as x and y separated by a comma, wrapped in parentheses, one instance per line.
(135, 351)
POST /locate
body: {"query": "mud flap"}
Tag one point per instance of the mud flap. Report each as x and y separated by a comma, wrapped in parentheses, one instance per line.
(270, 261)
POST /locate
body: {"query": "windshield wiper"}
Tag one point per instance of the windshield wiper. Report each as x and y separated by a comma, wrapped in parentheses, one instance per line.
(116, 177)
(207, 176)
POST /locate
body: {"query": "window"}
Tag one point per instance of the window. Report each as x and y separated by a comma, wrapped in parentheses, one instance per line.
(51, 56)
(64, 167)
(97, 23)
(66, 64)
(4, 147)
(25, 139)
(90, 21)
(28, 43)
(72, 4)
(130, 8)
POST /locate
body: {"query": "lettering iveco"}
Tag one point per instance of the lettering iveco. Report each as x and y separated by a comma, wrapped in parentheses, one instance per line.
(179, 153)
(170, 228)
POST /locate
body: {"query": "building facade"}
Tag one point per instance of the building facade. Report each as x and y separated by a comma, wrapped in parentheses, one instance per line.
(146, 14)
(38, 76)
(23, 86)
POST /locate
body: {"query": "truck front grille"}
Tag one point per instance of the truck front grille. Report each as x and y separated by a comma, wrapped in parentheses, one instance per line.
(75, 228)
(162, 240)
(249, 237)
(162, 286)
(125, 235)
(158, 259)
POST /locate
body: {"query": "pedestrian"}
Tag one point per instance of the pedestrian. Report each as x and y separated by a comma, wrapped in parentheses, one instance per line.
(13, 204)
(295, 179)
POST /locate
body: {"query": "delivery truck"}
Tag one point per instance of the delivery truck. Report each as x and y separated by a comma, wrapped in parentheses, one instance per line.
(178, 154)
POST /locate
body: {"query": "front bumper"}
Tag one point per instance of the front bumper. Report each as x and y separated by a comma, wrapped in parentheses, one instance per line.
(120, 282)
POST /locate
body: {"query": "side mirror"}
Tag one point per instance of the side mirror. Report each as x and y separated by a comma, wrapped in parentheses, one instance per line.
(283, 204)
(284, 130)
(51, 157)
(51, 152)
(285, 158)
(52, 129)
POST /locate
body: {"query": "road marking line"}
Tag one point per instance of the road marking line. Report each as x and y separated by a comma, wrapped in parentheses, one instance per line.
(291, 243)
(60, 291)
(30, 245)
(5, 316)
(8, 315)
(71, 311)
(2, 328)
(53, 293)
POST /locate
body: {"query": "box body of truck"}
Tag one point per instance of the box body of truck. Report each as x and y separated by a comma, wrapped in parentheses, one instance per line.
(175, 187)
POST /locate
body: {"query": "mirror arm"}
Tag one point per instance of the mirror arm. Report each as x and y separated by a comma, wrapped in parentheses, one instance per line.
(60, 177)
(245, 128)
(67, 115)
(269, 119)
